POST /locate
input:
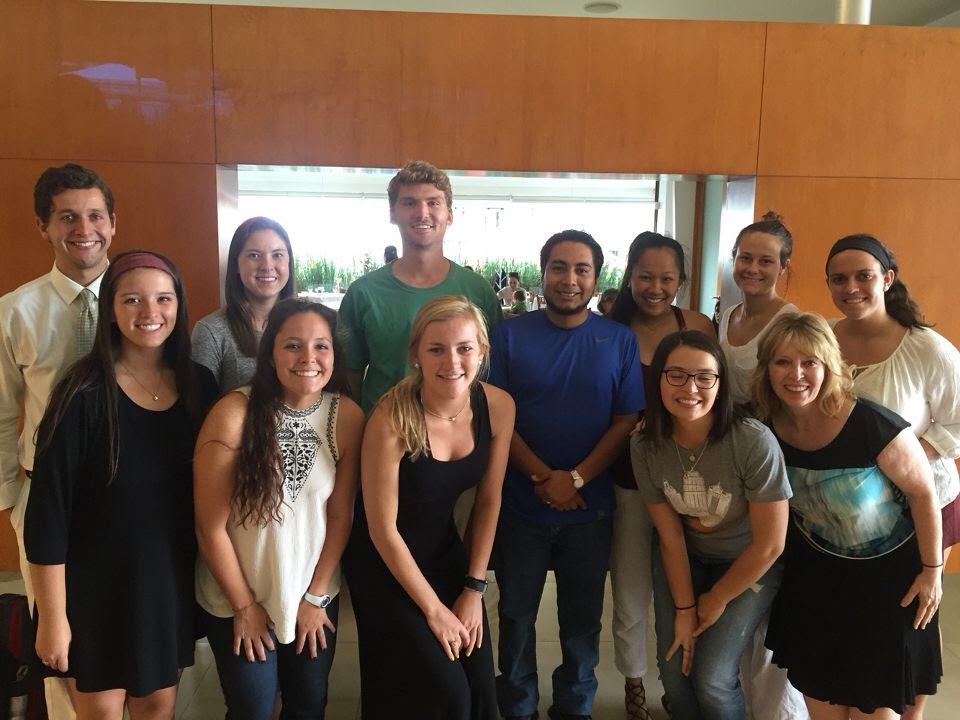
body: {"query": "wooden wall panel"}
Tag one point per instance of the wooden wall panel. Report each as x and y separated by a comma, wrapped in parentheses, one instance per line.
(483, 91)
(674, 97)
(860, 101)
(915, 218)
(106, 81)
(294, 87)
(170, 208)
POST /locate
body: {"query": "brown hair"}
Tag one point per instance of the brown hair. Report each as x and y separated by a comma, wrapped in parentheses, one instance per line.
(770, 224)
(258, 491)
(419, 172)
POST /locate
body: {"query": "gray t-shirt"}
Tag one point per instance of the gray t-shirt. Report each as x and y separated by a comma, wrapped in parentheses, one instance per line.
(745, 466)
(212, 345)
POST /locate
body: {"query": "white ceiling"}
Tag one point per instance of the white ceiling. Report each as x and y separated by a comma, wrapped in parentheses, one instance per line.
(885, 12)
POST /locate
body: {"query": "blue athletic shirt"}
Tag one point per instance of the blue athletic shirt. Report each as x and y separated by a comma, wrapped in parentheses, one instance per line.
(567, 384)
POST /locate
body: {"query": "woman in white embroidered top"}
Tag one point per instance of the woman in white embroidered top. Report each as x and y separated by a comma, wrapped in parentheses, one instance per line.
(276, 472)
(899, 362)
(716, 488)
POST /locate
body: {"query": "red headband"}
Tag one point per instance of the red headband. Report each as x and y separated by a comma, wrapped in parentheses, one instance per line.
(138, 259)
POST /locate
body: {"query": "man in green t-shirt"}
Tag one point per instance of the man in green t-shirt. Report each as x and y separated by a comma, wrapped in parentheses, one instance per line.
(378, 310)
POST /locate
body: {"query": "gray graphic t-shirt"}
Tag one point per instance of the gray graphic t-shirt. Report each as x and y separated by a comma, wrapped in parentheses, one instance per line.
(712, 497)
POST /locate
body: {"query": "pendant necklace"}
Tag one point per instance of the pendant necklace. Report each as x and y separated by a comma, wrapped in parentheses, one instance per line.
(694, 458)
(448, 418)
(156, 394)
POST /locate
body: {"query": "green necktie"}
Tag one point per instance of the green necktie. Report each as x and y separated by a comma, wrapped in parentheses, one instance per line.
(87, 322)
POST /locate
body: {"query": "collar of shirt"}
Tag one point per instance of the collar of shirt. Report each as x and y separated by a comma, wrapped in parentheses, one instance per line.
(68, 290)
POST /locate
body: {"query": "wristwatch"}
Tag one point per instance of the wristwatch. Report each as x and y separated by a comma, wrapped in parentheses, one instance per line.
(475, 584)
(320, 601)
(578, 481)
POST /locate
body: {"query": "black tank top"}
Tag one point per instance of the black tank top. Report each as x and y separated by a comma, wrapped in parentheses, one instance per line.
(622, 468)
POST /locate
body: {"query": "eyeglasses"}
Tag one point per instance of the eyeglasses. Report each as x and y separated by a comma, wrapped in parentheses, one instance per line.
(679, 378)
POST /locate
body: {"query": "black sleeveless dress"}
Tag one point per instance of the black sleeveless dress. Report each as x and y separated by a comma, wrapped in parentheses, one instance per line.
(404, 671)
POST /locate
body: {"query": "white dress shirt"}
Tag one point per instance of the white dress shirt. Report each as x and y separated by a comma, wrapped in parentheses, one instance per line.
(38, 324)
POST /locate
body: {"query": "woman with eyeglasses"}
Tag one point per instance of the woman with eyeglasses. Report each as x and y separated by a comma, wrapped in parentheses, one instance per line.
(716, 488)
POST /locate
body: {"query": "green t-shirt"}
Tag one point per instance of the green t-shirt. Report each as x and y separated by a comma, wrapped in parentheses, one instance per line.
(376, 316)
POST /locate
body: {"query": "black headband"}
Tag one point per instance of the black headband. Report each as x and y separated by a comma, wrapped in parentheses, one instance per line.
(865, 243)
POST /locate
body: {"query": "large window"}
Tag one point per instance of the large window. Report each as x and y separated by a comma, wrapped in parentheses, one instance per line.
(338, 218)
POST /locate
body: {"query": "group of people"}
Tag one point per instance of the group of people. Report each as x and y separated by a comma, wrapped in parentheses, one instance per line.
(776, 492)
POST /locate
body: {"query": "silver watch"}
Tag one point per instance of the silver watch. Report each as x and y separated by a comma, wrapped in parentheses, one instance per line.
(578, 481)
(320, 601)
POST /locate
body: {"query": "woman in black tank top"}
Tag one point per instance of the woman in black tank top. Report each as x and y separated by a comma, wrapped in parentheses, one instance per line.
(417, 588)
(654, 275)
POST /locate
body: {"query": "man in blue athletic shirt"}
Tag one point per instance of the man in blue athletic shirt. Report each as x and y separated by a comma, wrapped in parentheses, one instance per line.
(575, 377)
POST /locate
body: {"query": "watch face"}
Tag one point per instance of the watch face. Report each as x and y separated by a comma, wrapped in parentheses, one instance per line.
(325, 600)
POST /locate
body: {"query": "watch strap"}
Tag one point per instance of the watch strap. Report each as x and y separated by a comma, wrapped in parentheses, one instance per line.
(320, 601)
(475, 584)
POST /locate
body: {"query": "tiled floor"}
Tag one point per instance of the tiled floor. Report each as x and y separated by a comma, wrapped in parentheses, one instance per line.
(200, 697)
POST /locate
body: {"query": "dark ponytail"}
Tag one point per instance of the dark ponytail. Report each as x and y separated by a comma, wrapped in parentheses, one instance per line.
(900, 306)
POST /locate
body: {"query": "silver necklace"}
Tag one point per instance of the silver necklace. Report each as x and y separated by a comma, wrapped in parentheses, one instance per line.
(448, 418)
(694, 458)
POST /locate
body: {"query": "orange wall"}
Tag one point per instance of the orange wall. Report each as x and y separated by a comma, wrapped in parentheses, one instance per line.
(848, 128)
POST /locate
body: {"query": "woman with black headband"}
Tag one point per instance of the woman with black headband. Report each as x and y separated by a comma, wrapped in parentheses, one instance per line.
(899, 362)
(109, 524)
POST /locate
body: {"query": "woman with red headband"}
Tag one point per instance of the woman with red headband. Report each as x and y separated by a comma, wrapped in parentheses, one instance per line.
(109, 524)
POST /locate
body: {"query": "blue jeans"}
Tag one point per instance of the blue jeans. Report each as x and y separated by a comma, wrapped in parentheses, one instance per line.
(579, 555)
(250, 688)
(712, 691)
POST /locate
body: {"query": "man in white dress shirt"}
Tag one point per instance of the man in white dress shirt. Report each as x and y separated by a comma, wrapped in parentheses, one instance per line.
(45, 326)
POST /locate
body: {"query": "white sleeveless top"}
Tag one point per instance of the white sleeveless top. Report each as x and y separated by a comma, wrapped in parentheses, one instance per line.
(742, 359)
(278, 560)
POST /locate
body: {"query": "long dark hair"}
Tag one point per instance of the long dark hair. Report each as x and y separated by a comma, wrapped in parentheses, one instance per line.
(658, 422)
(96, 370)
(625, 306)
(258, 491)
(239, 318)
(896, 299)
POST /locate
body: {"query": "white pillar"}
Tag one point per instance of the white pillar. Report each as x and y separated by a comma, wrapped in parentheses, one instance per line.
(853, 12)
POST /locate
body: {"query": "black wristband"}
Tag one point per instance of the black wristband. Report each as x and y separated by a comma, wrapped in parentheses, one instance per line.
(688, 607)
(475, 584)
